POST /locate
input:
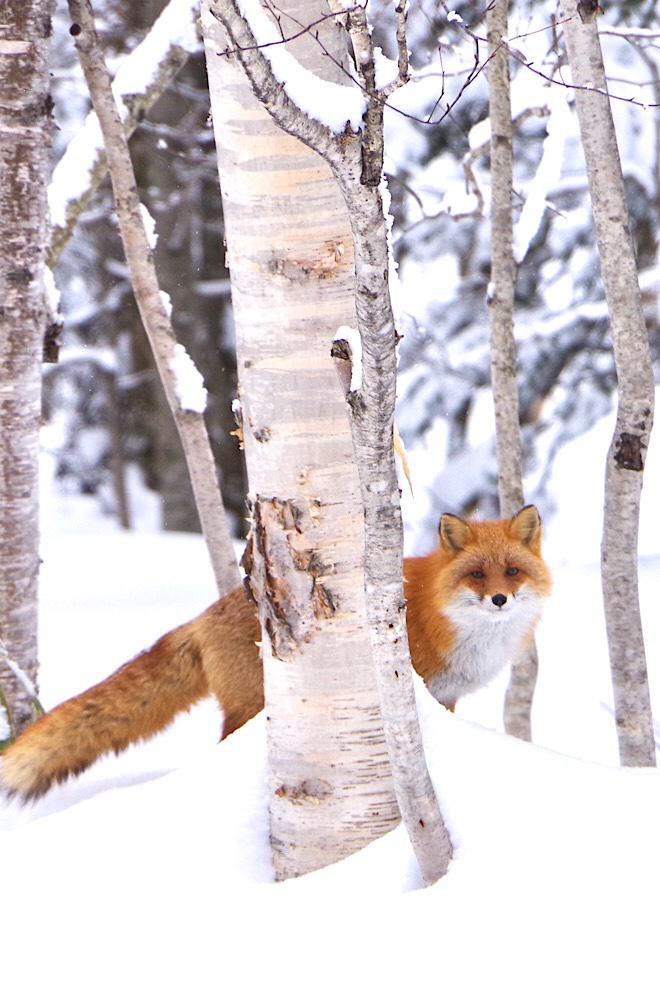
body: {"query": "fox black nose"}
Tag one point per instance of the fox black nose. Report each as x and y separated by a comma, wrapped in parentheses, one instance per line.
(499, 600)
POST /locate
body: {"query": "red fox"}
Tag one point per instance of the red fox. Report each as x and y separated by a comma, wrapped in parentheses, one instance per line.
(472, 605)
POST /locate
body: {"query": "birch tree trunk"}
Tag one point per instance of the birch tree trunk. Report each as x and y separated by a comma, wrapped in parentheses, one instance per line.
(291, 263)
(356, 161)
(626, 456)
(153, 309)
(503, 358)
(25, 124)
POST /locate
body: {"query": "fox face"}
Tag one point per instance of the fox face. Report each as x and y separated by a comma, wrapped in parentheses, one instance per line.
(495, 589)
(476, 601)
(493, 566)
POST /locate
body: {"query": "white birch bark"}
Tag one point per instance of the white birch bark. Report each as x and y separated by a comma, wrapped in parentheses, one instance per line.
(357, 165)
(291, 264)
(152, 307)
(25, 124)
(503, 357)
(168, 44)
(626, 456)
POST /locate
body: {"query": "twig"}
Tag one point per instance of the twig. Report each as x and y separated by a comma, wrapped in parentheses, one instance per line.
(474, 72)
(469, 160)
(285, 39)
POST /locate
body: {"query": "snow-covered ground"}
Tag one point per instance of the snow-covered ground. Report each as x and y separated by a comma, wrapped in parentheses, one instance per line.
(152, 869)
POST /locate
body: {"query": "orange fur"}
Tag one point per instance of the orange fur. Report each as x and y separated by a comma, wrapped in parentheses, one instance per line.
(214, 653)
(217, 653)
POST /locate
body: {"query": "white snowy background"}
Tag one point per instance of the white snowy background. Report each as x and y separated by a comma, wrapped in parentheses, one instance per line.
(152, 869)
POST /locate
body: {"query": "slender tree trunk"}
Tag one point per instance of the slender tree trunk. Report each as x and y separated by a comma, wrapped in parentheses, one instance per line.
(291, 263)
(503, 358)
(372, 409)
(372, 422)
(627, 453)
(25, 123)
(155, 317)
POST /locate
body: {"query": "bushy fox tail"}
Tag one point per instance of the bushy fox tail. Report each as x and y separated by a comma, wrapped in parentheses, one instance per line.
(209, 654)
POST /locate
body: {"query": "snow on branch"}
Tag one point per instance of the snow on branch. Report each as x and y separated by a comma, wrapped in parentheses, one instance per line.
(331, 104)
(188, 382)
(268, 89)
(26, 682)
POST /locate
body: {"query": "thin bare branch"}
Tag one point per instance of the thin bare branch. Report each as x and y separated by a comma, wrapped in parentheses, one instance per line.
(403, 60)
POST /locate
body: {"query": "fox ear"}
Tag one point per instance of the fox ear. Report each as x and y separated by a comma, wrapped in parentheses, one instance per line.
(526, 526)
(454, 532)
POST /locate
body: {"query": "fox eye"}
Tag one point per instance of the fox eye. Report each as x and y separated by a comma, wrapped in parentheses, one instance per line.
(511, 571)
(477, 574)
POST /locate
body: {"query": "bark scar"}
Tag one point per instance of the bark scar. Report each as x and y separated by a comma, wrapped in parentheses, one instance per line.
(629, 452)
(286, 573)
(299, 270)
(587, 9)
(306, 792)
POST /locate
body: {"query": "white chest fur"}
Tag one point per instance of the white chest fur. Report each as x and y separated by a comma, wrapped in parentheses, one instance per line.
(486, 639)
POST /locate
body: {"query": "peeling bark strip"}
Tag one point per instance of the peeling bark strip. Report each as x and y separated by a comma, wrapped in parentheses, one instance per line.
(286, 572)
(25, 124)
(153, 313)
(292, 285)
(625, 460)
